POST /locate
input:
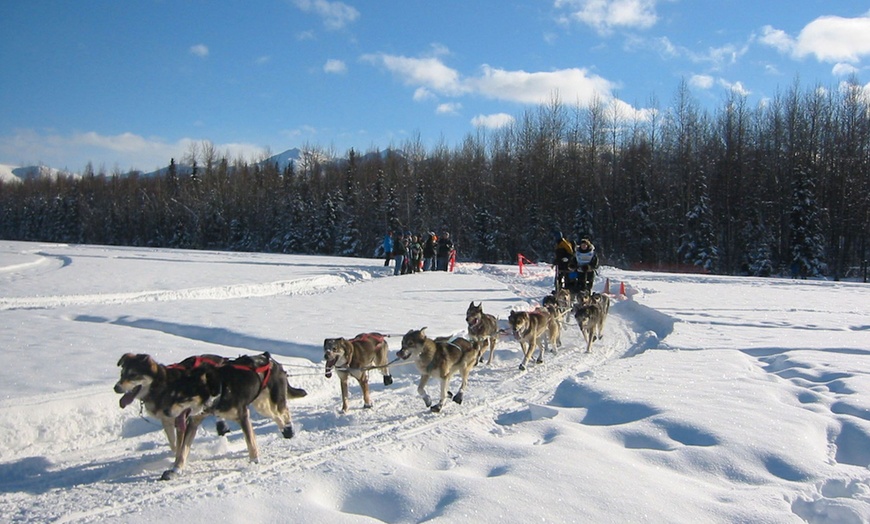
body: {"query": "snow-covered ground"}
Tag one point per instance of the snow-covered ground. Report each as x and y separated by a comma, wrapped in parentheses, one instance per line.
(709, 399)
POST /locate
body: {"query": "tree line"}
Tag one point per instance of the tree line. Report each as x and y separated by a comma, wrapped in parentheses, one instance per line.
(777, 188)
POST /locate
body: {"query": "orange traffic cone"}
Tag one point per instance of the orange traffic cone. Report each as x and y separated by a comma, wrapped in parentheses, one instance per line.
(622, 288)
(607, 286)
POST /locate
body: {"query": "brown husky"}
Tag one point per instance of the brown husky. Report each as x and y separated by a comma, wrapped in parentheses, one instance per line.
(442, 358)
(482, 328)
(354, 358)
(590, 318)
(528, 327)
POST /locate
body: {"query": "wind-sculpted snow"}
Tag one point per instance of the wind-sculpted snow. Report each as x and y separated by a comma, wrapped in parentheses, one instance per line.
(318, 284)
(708, 399)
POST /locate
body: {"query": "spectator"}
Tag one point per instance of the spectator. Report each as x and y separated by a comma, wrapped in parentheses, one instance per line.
(399, 253)
(415, 253)
(388, 248)
(429, 251)
(446, 250)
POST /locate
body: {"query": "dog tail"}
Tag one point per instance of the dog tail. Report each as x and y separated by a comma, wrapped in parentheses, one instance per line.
(295, 392)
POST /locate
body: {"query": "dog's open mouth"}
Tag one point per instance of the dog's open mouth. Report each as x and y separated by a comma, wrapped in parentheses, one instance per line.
(181, 421)
(129, 397)
(329, 365)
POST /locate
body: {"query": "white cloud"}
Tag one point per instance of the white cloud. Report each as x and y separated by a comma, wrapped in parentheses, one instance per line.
(335, 66)
(606, 15)
(715, 57)
(828, 38)
(199, 50)
(492, 121)
(777, 39)
(428, 72)
(701, 81)
(570, 85)
(735, 87)
(421, 94)
(431, 78)
(262, 60)
(449, 108)
(335, 15)
(842, 69)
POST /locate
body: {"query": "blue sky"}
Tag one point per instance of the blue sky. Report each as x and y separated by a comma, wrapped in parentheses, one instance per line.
(132, 84)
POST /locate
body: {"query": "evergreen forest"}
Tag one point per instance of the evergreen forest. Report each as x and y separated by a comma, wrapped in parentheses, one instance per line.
(780, 188)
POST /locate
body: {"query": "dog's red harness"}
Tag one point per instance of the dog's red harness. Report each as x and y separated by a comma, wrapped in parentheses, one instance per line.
(265, 370)
(367, 336)
(198, 361)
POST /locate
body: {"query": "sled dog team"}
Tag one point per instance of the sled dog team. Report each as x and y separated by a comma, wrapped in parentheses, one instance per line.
(182, 395)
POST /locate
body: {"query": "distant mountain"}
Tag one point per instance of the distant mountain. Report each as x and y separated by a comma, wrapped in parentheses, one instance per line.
(17, 174)
(284, 159)
(293, 156)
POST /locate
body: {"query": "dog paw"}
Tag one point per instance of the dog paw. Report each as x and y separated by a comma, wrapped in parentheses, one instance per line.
(539, 361)
(367, 406)
(449, 394)
(170, 474)
(522, 367)
(427, 401)
(436, 408)
(222, 428)
(388, 379)
(287, 432)
(458, 398)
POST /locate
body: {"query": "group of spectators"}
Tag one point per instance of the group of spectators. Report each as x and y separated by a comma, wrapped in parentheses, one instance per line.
(415, 253)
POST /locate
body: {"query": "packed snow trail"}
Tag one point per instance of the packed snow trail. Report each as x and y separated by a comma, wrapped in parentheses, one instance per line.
(112, 470)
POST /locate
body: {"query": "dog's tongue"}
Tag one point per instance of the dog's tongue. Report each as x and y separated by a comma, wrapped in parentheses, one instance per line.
(181, 421)
(129, 397)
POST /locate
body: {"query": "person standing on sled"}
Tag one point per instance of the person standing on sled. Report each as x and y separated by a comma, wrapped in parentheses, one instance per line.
(564, 259)
(587, 264)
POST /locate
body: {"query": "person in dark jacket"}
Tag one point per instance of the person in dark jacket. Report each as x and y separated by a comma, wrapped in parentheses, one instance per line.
(399, 254)
(446, 250)
(429, 251)
(415, 254)
(563, 259)
(587, 264)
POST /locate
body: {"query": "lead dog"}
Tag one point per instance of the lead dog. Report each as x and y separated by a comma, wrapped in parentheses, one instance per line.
(528, 328)
(354, 358)
(144, 379)
(482, 328)
(442, 358)
(228, 391)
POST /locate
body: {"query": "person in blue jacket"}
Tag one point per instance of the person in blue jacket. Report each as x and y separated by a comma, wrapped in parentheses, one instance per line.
(388, 248)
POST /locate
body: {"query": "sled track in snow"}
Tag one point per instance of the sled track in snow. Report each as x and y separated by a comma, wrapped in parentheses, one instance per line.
(129, 484)
(387, 424)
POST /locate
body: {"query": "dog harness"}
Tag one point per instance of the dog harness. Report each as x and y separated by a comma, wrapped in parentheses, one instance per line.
(198, 361)
(378, 338)
(265, 370)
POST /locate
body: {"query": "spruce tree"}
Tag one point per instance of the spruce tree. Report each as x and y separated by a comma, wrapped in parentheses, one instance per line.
(807, 244)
